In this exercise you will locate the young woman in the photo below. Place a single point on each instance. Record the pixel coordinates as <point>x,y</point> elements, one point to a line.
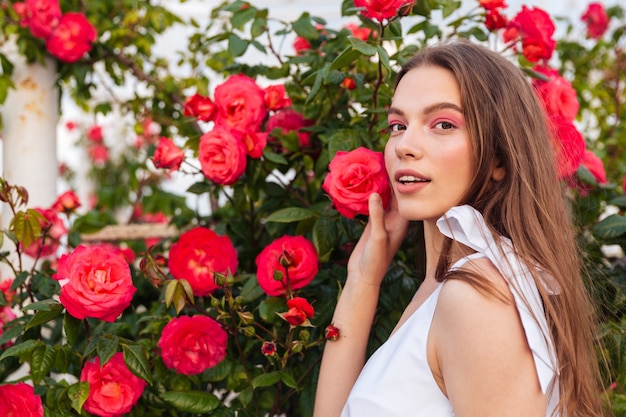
<point>501,325</point>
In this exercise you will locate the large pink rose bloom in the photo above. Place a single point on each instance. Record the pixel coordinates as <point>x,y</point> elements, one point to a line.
<point>222,156</point>
<point>99,284</point>
<point>380,9</point>
<point>557,95</point>
<point>167,155</point>
<point>596,19</point>
<point>191,345</point>
<point>19,400</point>
<point>113,388</point>
<point>288,262</point>
<point>570,145</point>
<point>41,16</point>
<point>240,104</point>
<point>72,38</point>
<point>198,255</point>
<point>353,177</point>
<point>536,28</point>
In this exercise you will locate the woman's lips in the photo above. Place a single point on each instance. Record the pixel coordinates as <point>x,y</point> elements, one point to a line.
<point>409,181</point>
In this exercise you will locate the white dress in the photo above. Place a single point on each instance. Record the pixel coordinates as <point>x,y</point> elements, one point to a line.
<point>397,381</point>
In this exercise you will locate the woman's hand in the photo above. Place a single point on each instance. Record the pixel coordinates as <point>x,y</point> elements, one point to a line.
<point>379,242</point>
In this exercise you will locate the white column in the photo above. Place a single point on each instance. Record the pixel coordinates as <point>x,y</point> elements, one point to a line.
<point>29,135</point>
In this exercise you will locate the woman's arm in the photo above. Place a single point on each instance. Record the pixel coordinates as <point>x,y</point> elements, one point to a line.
<point>480,351</point>
<point>344,358</point>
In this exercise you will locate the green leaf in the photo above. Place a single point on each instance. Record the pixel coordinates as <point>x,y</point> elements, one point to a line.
<point>44,305</point>
<point>19,280</point>
<point>78,394</point>
<point>266,380</point>
<point>136,361</point>
<point>269,307</point>
<point>609,228</point>
<point>303,27</point>
<point>43,316</point>
<point>384,57</point>
<point>291,214</point>
<point>345,58</point>
<point>242,17</point>
<point>41,361</point>
<point>106,348</point>
<point>289,380</point>
<point>21,349</point>
<point>325,236</point>
<point>72,328</point>
<point>275,158</point>
<point>197,402</point>
<point>236,45</point>
<point>619,201</point>
<point>12,333</point>
<point>362,46</point>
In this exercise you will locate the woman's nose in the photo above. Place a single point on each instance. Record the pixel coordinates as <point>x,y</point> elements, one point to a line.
<point>408,145</point>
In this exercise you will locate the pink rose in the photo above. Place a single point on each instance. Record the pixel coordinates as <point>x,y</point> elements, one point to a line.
<point>200,106</point>
<point>98,153</point>
<point>191,345</point>
<point>53,229</point>
<point>557,95</point>
<point>198,255</point>
<point>94,134</point>
<point>360,32</point>
<point>570,146</point>
<point>222,156</point>
<point>98,285</point>
<point>72,38</point>
<point>19,400</point>
<point>381,9</point>
<point>6,315</point>
<point>495,20</point>
<point>492,4</point>
<point>113,388</point>
<point>253,142</point>
<point>276,97</point>
<point>353,177</point>
<point>41,16</point>
<point>289,262</point>
<point>299,311</point>
<point>595,165</point>
<point>167,155</point>
<point>5,288</point>
<point>624,184</point>
<point>67,202</point>
<point>596,19</point>
<point>289,120</point>
<point>536,28</point>
<point>240,104</point>
<point>301,45</point>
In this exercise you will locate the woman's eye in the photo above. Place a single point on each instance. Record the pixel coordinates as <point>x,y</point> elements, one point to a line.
<point>444,125</point>
<point>396,127</point>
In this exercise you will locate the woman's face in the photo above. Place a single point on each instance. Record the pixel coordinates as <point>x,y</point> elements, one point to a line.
<point>428,155</point>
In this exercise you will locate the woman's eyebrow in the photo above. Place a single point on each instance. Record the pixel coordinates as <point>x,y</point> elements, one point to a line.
<point>432,108</point>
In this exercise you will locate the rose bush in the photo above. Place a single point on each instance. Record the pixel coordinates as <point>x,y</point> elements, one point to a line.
<point>215,297</point>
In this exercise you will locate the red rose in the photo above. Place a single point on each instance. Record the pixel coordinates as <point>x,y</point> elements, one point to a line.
<point>348,83</point>
<point>624,184</point>
<point>299,311</point>
<point>301,45</point>
<point>94,134</point>
<point>289,120</point>
<point>67,202</point>
<point>5,288</point>
<point>380,9</point>
<point>275,97</point>
<point>72,38</point>
<point>331,332</point>
<point>19,400</point>
<point>99,154</point>
<point>557,95</point>
<point>6,315</point>
<point>570,145</point>
<point>596,19</point>
<point>268,348</point>
<point>222,156</point>
<point>360,32</point>
<point>240,104</point>
<point>353,177</point>
<point>168,155</point>
<point>495,20</point>
<point>113,388</point>
<point>54,230</point>
<point>191,345</point>
<point>536,28</point>
<point>595,165</point>
<point>198,255</point>
<point>492,4</point>
<point>199,106</point>
<point>41,16</point>
<point>288,262</point>
<point>98,285</point>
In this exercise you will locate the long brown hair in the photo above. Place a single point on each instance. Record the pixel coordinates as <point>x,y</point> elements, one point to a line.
<point>508,128</point>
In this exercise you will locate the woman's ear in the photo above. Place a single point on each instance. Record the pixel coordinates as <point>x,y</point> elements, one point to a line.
<point>498,173</point>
